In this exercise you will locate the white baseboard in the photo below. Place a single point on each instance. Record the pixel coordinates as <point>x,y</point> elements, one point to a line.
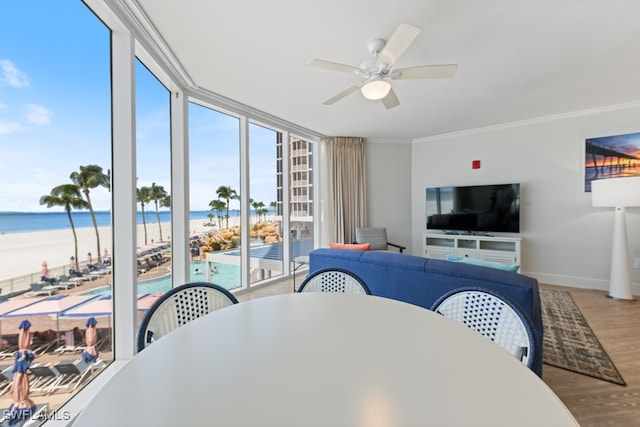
<point>576,282</point>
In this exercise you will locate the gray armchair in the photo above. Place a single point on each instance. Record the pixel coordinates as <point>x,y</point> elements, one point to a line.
<point>376,237</point>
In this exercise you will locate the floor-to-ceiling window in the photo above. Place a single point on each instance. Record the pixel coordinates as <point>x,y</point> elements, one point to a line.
<point>55,130</point>
<point>153,156</point>
<point>55,198</point>
<point>301,200</point>
<point>214,189</point>
<point>265,254</point>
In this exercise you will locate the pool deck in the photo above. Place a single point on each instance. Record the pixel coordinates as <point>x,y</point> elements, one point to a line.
<point>58,398</point>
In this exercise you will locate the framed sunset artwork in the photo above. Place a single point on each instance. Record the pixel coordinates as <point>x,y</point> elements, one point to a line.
<point>611,157</point>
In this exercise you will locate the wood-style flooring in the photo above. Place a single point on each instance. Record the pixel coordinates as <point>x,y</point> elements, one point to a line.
<point>593,402</point>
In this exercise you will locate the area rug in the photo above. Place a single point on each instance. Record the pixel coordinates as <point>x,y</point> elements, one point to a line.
<point>569,342</point>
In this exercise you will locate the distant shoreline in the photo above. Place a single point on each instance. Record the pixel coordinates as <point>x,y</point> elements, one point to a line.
<point>12,222</point>
<point>23,253</point>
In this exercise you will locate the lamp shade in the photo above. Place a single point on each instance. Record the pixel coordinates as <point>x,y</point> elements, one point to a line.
<point>376,89</point>
<point>616,192</point>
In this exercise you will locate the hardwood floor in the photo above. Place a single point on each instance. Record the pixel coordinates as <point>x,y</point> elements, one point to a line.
<point>593,402</point>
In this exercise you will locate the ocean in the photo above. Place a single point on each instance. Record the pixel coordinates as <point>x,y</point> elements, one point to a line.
<point>18,222</point>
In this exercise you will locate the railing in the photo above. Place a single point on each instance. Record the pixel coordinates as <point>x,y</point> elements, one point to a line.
<point>19,284</point>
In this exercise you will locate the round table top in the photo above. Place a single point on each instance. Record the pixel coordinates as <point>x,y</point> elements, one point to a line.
<point>320,359</point>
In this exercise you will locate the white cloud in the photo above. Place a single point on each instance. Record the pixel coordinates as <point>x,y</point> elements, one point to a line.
<point>11,75</point>
<point>38,115</point>
<point>7,128</point>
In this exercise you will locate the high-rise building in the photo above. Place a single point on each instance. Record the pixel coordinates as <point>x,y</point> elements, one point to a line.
<point>300,183</point>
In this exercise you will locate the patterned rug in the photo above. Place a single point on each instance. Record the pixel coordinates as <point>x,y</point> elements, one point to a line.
<point>569,342</point>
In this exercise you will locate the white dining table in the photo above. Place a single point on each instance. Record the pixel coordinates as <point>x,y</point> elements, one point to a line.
<point>322,359</point>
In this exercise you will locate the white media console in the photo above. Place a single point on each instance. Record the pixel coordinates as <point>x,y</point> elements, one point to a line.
<point>505,250</point>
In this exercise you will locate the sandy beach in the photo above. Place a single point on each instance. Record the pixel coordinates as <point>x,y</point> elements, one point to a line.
<point>23,253</point>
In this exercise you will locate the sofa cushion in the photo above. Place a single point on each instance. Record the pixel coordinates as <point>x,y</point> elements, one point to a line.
<point>353,246</point>
<point>483,263</point>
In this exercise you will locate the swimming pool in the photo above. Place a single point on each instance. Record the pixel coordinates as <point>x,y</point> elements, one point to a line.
<point>228,277</point>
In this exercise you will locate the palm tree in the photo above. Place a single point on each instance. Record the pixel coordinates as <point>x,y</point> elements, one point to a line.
<point>157,193</point>
<point>91,176</point>
<point>257,208</point>
<point>274,205</point>
<point>142,194</point>
<point>261,211</point>
<point>68,196</point>
<point>253,204</point>
<point>227,193</point>
<point>165,202</point>
<point>218,206</point>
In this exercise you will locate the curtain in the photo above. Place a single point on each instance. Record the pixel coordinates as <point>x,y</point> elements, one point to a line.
<point>344,204</point>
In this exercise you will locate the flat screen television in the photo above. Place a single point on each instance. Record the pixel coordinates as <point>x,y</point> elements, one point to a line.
<point>474,209</point>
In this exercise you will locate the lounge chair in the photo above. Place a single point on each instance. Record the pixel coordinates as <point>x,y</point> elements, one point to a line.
<point>9,350</point>
<point>40,289</point>
<point>42,347</point>
<point>104,339</point>
<point>74,372</point>
<point>6,375</point>
<point>88,275</point>
<point>69,345</point>
<point>45,379</point>
<point>65,283</point>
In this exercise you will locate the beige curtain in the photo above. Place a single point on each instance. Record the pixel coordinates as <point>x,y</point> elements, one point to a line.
<point>344,206</point>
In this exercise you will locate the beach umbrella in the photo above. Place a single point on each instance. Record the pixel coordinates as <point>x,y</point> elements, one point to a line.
<point>22,407</point>
<point>9,306</point>
<point>90,354</point>
<point>99,307</point>
<point>105,257</point>
<point>51,306</point>
<point>146,301</point>
<point>103,306</point>
<point>72,265</point>
<point>44,271</point>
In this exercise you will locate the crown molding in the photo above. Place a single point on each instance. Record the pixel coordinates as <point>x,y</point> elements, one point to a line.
<point>145,33</point>
<point>543,119</point>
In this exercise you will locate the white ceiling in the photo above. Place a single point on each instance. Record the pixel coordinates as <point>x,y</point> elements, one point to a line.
<point>517,59</point>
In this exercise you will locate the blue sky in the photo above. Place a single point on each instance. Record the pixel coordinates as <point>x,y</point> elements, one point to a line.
<point>55,114</point>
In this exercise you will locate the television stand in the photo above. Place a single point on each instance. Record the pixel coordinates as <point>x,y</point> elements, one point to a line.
<point>505,250</point>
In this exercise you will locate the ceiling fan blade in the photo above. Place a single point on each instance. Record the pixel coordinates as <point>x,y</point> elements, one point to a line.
<point>391,100</point>
<point>334,66</point>
<point>399,41</point>
<point>425,72</point>
<point>342,94</point>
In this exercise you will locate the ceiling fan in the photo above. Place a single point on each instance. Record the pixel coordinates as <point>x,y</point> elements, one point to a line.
<point>378,72</point>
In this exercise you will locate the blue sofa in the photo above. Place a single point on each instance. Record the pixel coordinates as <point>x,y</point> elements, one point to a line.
<point>421,281</point>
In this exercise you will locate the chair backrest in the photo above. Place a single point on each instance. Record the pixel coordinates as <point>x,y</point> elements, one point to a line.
<point>334,280</point>
<point>179,306</point>
<point>377,237</point>
<point>493,315</point>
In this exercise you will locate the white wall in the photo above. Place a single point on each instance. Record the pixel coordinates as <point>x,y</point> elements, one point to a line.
<point>389,188</point>
<point>565,240</point>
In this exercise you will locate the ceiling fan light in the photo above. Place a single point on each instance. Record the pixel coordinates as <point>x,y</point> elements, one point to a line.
<point>376,89</point>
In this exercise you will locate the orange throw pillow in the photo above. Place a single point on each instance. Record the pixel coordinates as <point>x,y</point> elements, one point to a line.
<point>356,246</point>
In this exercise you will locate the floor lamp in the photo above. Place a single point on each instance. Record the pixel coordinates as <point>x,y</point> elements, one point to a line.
<point>618,193</point>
